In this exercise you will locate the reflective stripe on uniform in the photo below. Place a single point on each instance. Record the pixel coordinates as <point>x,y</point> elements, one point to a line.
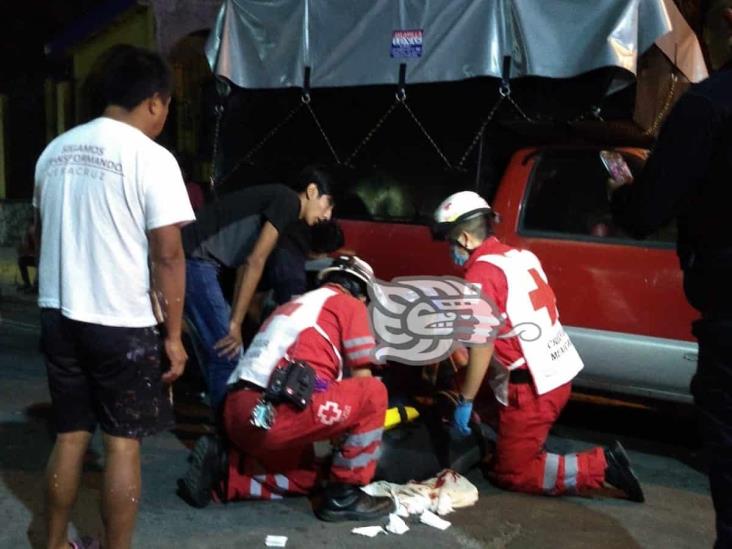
<point>361,460</point>
<point>282,482</point>
<point>255,488</point>
<point>260,483</point>
<point>356,341</point>
<point>364,439</point>
<point>517,363</point>
<point>359,354</point>
<point>551,469</point>
<point>570,472</point>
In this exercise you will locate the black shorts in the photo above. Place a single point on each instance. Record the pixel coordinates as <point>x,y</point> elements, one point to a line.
<point>105,375</point>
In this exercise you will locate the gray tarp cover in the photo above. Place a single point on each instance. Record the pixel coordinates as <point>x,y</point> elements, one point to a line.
<point>268,43</point>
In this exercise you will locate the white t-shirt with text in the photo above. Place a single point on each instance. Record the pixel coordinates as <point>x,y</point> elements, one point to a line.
<point>99,188</point>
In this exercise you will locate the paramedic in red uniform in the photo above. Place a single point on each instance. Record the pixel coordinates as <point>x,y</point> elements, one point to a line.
<point>328,329</point>
<point>530,376</point>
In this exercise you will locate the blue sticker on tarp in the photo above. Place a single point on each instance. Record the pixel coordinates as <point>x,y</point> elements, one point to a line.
<point>406,43</point>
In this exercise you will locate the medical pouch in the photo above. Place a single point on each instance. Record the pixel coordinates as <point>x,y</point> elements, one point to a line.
<point>292,383</point>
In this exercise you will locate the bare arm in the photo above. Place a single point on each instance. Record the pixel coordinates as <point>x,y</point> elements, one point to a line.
<point>362,372</point>
<point>478,362</point>
<point>168,274</point>
<point>247,279</point>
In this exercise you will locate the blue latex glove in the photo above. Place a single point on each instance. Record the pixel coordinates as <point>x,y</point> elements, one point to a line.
<point>461,418</point>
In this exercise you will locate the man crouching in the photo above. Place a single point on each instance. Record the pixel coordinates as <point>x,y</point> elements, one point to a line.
<point>287,392</point>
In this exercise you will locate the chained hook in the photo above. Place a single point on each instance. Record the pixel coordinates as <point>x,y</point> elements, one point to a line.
<point>505,88</point>
<point>401,93</point>
<point>305,97</point>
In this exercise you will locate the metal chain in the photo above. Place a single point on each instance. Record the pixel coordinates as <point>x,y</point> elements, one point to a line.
<point>425,132</point>
<point>480,131</point>
<point>306,102</point>
<point>504,92</point>
<point>247,157</point>
<point>597,113</point>
<point>219,113</point>
<point>371,133</point>
<point>518,108</point>
<point>666,106</point>
<point>271,133</point>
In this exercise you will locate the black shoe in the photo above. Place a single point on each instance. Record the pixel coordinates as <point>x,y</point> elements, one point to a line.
<point>208,468</point>
<point>619,473</point>
<point>343,502</point>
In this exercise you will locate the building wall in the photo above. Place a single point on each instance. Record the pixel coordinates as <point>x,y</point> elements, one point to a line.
<point>61,103</point>
<point>64,104</point>
<point>3,169</point>
<point>15,215</point>
<point>135,27</point>
<point>192,110</point>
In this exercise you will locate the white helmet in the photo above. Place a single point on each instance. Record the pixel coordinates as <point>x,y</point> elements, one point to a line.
<point>457,208</point>
<point>353,266</point>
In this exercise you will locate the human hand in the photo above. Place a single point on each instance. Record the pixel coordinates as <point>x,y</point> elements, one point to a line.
<point>177,356</point>
<point>229,346</point>
<point>460,356</point>
<point>461,418</point>
<point>614,184</point>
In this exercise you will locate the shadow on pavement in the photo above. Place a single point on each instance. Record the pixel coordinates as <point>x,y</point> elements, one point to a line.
<point>26,446</point>
<point>654,427</point>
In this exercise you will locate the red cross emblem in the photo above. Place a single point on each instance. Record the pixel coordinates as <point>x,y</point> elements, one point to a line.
<point>329,413</point>
<point>543,296</point>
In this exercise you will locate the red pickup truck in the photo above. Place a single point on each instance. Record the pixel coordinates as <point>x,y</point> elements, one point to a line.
<point>620,299</point>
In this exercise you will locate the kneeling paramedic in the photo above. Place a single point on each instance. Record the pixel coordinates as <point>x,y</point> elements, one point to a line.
<point>530,379</point>
<point>287,393</point>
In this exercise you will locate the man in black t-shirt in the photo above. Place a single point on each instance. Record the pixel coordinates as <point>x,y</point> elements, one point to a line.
<point>239,231</point>
<point>285,273</point>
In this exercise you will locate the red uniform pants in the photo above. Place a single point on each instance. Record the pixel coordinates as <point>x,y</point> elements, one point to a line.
<point>269,464</point>
<point>521,462</point>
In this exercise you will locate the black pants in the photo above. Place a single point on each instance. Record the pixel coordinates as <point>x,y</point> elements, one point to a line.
<point>106,375</point>
<point>712,390</point>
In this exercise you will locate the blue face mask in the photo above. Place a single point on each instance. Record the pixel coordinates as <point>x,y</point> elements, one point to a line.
<point>459,255</point>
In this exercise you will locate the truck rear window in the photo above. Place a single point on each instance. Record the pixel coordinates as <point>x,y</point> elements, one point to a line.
<point>567,198</point>
<point>395,198</point>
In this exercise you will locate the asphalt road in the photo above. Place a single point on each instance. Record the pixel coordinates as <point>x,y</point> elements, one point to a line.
<point>660,440</point>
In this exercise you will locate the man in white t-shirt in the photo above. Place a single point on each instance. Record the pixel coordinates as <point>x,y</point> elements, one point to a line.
<point>110,202</point>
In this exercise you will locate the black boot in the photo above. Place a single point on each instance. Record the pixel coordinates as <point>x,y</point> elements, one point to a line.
<point>343,502</point>
<point>209,467</point>
<point>619,473</point>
